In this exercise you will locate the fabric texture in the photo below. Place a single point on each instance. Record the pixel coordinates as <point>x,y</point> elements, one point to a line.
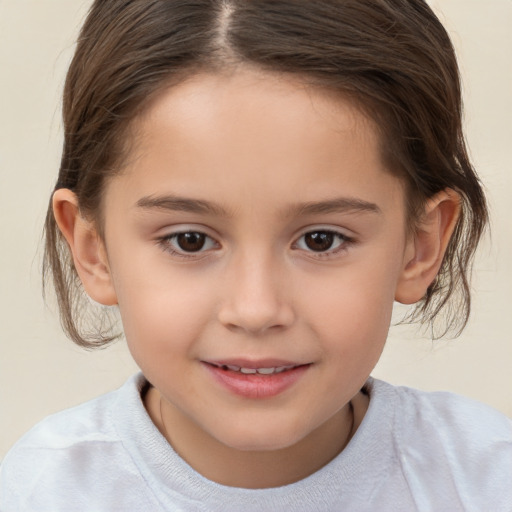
<point>413,451</point>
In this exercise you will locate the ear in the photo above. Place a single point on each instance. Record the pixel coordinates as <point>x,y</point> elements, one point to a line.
<point>427,245</point>
<point>87,248</point>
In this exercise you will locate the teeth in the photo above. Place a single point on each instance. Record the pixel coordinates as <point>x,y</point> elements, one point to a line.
<point>260,371</point>
<point>266,371</point>
<point>248,370</point>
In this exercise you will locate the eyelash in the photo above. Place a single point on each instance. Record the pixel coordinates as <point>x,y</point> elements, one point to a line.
<point>166,243</point>
<point>344,242</point>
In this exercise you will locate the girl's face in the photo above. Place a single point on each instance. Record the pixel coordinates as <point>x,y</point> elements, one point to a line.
<point>255,228</point>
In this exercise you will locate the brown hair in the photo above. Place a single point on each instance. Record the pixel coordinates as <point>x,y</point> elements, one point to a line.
<point>394,56</point>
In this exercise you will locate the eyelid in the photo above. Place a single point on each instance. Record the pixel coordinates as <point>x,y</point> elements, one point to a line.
<point>178,229</point>
<point>328,228</point>
<point>347,241</point>
<point>165,241</point>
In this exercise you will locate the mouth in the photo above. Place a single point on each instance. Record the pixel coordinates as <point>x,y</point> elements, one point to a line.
<point>256,380</point>
<point>251,370</point>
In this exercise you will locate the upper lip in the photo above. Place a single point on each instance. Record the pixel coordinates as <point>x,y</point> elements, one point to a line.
<point>255,364</point>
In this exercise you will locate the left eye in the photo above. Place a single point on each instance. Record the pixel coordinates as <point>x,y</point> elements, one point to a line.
<point>189,242</point>
<point>321,241</point>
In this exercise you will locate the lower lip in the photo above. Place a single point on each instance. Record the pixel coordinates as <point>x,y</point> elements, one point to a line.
<point>255,385</point>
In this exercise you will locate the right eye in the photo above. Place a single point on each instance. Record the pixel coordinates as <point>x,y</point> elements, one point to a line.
<point>187,242</point>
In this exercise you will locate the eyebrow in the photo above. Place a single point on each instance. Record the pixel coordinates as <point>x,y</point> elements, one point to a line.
<point>199,206</point>
<point>181,204</point>
<point>336,205</point>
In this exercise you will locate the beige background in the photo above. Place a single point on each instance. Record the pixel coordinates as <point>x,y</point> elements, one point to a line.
<point>41,372</point>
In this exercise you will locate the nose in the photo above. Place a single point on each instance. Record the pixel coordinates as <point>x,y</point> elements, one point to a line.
<point>255,297</point>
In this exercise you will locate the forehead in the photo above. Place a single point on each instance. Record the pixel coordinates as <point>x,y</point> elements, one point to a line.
<point>253,99</point>
<point>253,133</point>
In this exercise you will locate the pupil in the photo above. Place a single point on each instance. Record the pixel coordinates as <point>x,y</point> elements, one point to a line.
<point>191,242</point>
<point>319,241</point>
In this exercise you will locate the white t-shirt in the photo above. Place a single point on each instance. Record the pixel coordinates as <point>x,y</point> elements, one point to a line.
<point>413,451</point>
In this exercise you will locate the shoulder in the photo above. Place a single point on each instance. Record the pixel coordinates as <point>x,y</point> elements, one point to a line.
<point>74,450</point>
<point>84,423</point>
<point>450,418</point>
<point>446,441</point>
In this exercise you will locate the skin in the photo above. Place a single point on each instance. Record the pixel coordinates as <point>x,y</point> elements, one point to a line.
<point>262,149</point>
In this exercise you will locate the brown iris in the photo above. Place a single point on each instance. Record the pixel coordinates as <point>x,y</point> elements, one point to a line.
<point>319,241</point>
<point>191,241</point>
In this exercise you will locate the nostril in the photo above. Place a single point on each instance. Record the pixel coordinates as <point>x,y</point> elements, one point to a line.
<point>253,298</point>
<point>255,322</point>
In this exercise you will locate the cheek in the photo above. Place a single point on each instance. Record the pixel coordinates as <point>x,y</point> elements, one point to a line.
<point>352,309</point>
<point>163,312</point>
<point>357,318</point>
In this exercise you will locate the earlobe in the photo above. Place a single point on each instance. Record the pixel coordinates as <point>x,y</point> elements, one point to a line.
<point>87,248</point>
<point>426,248</point>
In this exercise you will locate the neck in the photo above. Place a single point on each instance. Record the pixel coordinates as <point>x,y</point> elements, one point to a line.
<point>255,469</point>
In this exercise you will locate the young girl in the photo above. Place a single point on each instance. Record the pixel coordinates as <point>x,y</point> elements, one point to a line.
<point>252,185</point>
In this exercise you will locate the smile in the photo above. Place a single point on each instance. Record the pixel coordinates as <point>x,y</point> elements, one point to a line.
<point>252,371</point>
<point>256,381</point>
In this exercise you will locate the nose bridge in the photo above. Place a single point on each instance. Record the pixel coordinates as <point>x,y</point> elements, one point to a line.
<point>255,294</point>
